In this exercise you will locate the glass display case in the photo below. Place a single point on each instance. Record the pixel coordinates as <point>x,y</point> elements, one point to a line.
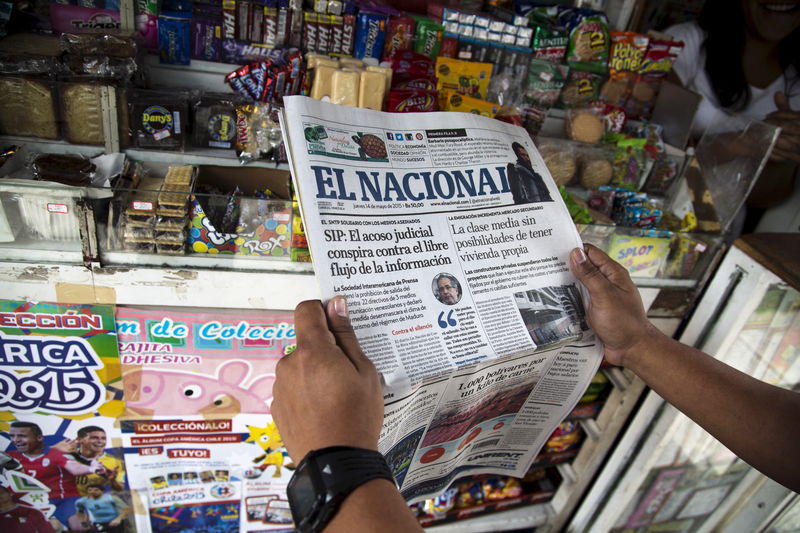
<point>668,474</point>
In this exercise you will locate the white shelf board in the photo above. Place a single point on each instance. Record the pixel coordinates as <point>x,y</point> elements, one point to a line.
<point>203,261</point>
<point>196,156</point>
<point>38,251</point>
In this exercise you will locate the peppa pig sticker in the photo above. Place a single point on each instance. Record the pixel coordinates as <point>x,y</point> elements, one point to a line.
<point>178,363</point>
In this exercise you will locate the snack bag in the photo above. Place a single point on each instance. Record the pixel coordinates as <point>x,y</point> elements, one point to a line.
<point>629,164</point>
<point>581,88</point>
<point>627,53</point>
<point>549,40</point>
<point>454,101</point>
<point>588,38</point>
<point>545,81</point>
<point>428,37</point>
<point>655,66</point>
<point>399,33</point>
<point>412,100</point>
<point>464,77</point>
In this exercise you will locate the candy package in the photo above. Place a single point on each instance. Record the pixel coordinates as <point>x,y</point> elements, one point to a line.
<point>428,37</point>
<point>258,134</point>
<point>174,37</point>
<point>464,77</point>
<point>399,35</point>
<point>215,120</point>
<point>655,66</point>
<point>158,119</point>
<point>453,101</point>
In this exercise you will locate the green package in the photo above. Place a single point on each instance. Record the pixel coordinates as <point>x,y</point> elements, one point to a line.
<point>427,37</point>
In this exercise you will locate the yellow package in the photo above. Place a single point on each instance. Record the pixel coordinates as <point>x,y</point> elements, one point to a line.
<point>465,77</point>
<point>642,256</point>
<point>454,101</point>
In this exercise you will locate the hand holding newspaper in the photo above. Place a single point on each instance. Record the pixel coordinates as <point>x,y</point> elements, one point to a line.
<point>450,241</point>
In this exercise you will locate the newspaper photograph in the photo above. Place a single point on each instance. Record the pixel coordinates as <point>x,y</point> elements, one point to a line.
<point>450,241</point>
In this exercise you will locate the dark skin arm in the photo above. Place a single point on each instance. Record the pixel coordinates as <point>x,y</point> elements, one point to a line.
<point>755,420</point>
<point>327,393</point>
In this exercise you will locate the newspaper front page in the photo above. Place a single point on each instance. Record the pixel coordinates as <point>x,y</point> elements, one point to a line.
<point>450,241</point>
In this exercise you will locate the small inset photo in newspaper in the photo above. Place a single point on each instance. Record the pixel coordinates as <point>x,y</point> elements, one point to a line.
<point>553,316</point>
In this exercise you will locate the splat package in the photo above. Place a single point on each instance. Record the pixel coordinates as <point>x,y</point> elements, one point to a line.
<point>242,211</point>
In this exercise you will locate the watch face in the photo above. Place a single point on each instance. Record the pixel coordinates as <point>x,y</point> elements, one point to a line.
<point>302,495</point>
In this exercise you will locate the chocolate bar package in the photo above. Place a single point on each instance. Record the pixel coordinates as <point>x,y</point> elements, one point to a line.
<point>174,37</point>
<point>206,33</point>
<point>215,121</point>
<point>158,119</point>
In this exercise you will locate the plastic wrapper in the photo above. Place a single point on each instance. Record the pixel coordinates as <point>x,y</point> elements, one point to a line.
<point>567,436</point>
<point>67,169</point>
<point>215,121</point>
<point>27,64</point>
<point>28,108</point>
<point>399,35</point>
<point>174,37</point>
<point>412,101</point>
<point>370,35</point>
<point>545,82</point>
<point>258,133</point>
<point>118,68</point>
<point>146,13</point>
<point>629,163</point>
<point>549,41</point>
<point>584,125</point>
<point>501,488</point>
<point>158,119</point>
<point>428,37</point>
<point>98,44</point>
<point>655,66</point>
<point>464,77</point>
<point>206,32</point>
<point>588,38</point>
<point>453,101</point>
<point>625,59</point>
<point>592,164</point>
<point>582,87</point>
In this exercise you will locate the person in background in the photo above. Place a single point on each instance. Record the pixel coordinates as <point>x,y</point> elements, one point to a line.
<point>101,511</point>
<point>743,57</point>
<point>51,467</point>
<point>16,518</point>
<point>91,446</point>
<point>737,409</point>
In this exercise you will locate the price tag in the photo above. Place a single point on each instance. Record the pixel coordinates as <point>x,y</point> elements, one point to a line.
<point>57,208</point>
<point>142,206</point>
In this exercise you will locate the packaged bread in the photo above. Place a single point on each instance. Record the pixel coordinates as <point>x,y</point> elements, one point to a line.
<point>27,108</point>
<point>372,90</point>
<point>82,113</point>
<point>584,126</point>
<point>561,163</point>
<point>595,171</point>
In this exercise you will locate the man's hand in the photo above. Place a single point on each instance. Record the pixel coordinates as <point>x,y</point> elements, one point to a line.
<point>66,446</point>
<point>326,393</point>
<point>615,309</point>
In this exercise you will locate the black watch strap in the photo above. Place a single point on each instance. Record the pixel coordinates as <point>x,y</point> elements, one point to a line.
<point>346,468</point>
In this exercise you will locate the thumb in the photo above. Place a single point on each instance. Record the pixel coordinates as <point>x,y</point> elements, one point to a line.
<point>781,102</point>
<point>339,323</point>
<point>588,273</point>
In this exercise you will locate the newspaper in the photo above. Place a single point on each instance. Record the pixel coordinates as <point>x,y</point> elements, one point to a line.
<point>450,241</point>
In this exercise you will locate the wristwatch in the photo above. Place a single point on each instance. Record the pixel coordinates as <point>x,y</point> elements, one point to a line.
<point>325,477</point>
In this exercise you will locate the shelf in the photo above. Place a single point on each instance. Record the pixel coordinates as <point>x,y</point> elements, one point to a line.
<point>204,261</point>
<point>524,517</point>
<point>39,251</point>
<point>197,156</point>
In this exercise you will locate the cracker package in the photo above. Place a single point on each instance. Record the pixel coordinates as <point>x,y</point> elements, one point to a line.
<point>158,119</point>
<point>588,38</point>
<point>464,77</point>
<point>656,64</point>
<point>625,60</point>
<point>581,88</point>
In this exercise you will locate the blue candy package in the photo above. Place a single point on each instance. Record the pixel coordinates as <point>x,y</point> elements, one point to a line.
<point>370,34</point>
<point>174,37</point>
